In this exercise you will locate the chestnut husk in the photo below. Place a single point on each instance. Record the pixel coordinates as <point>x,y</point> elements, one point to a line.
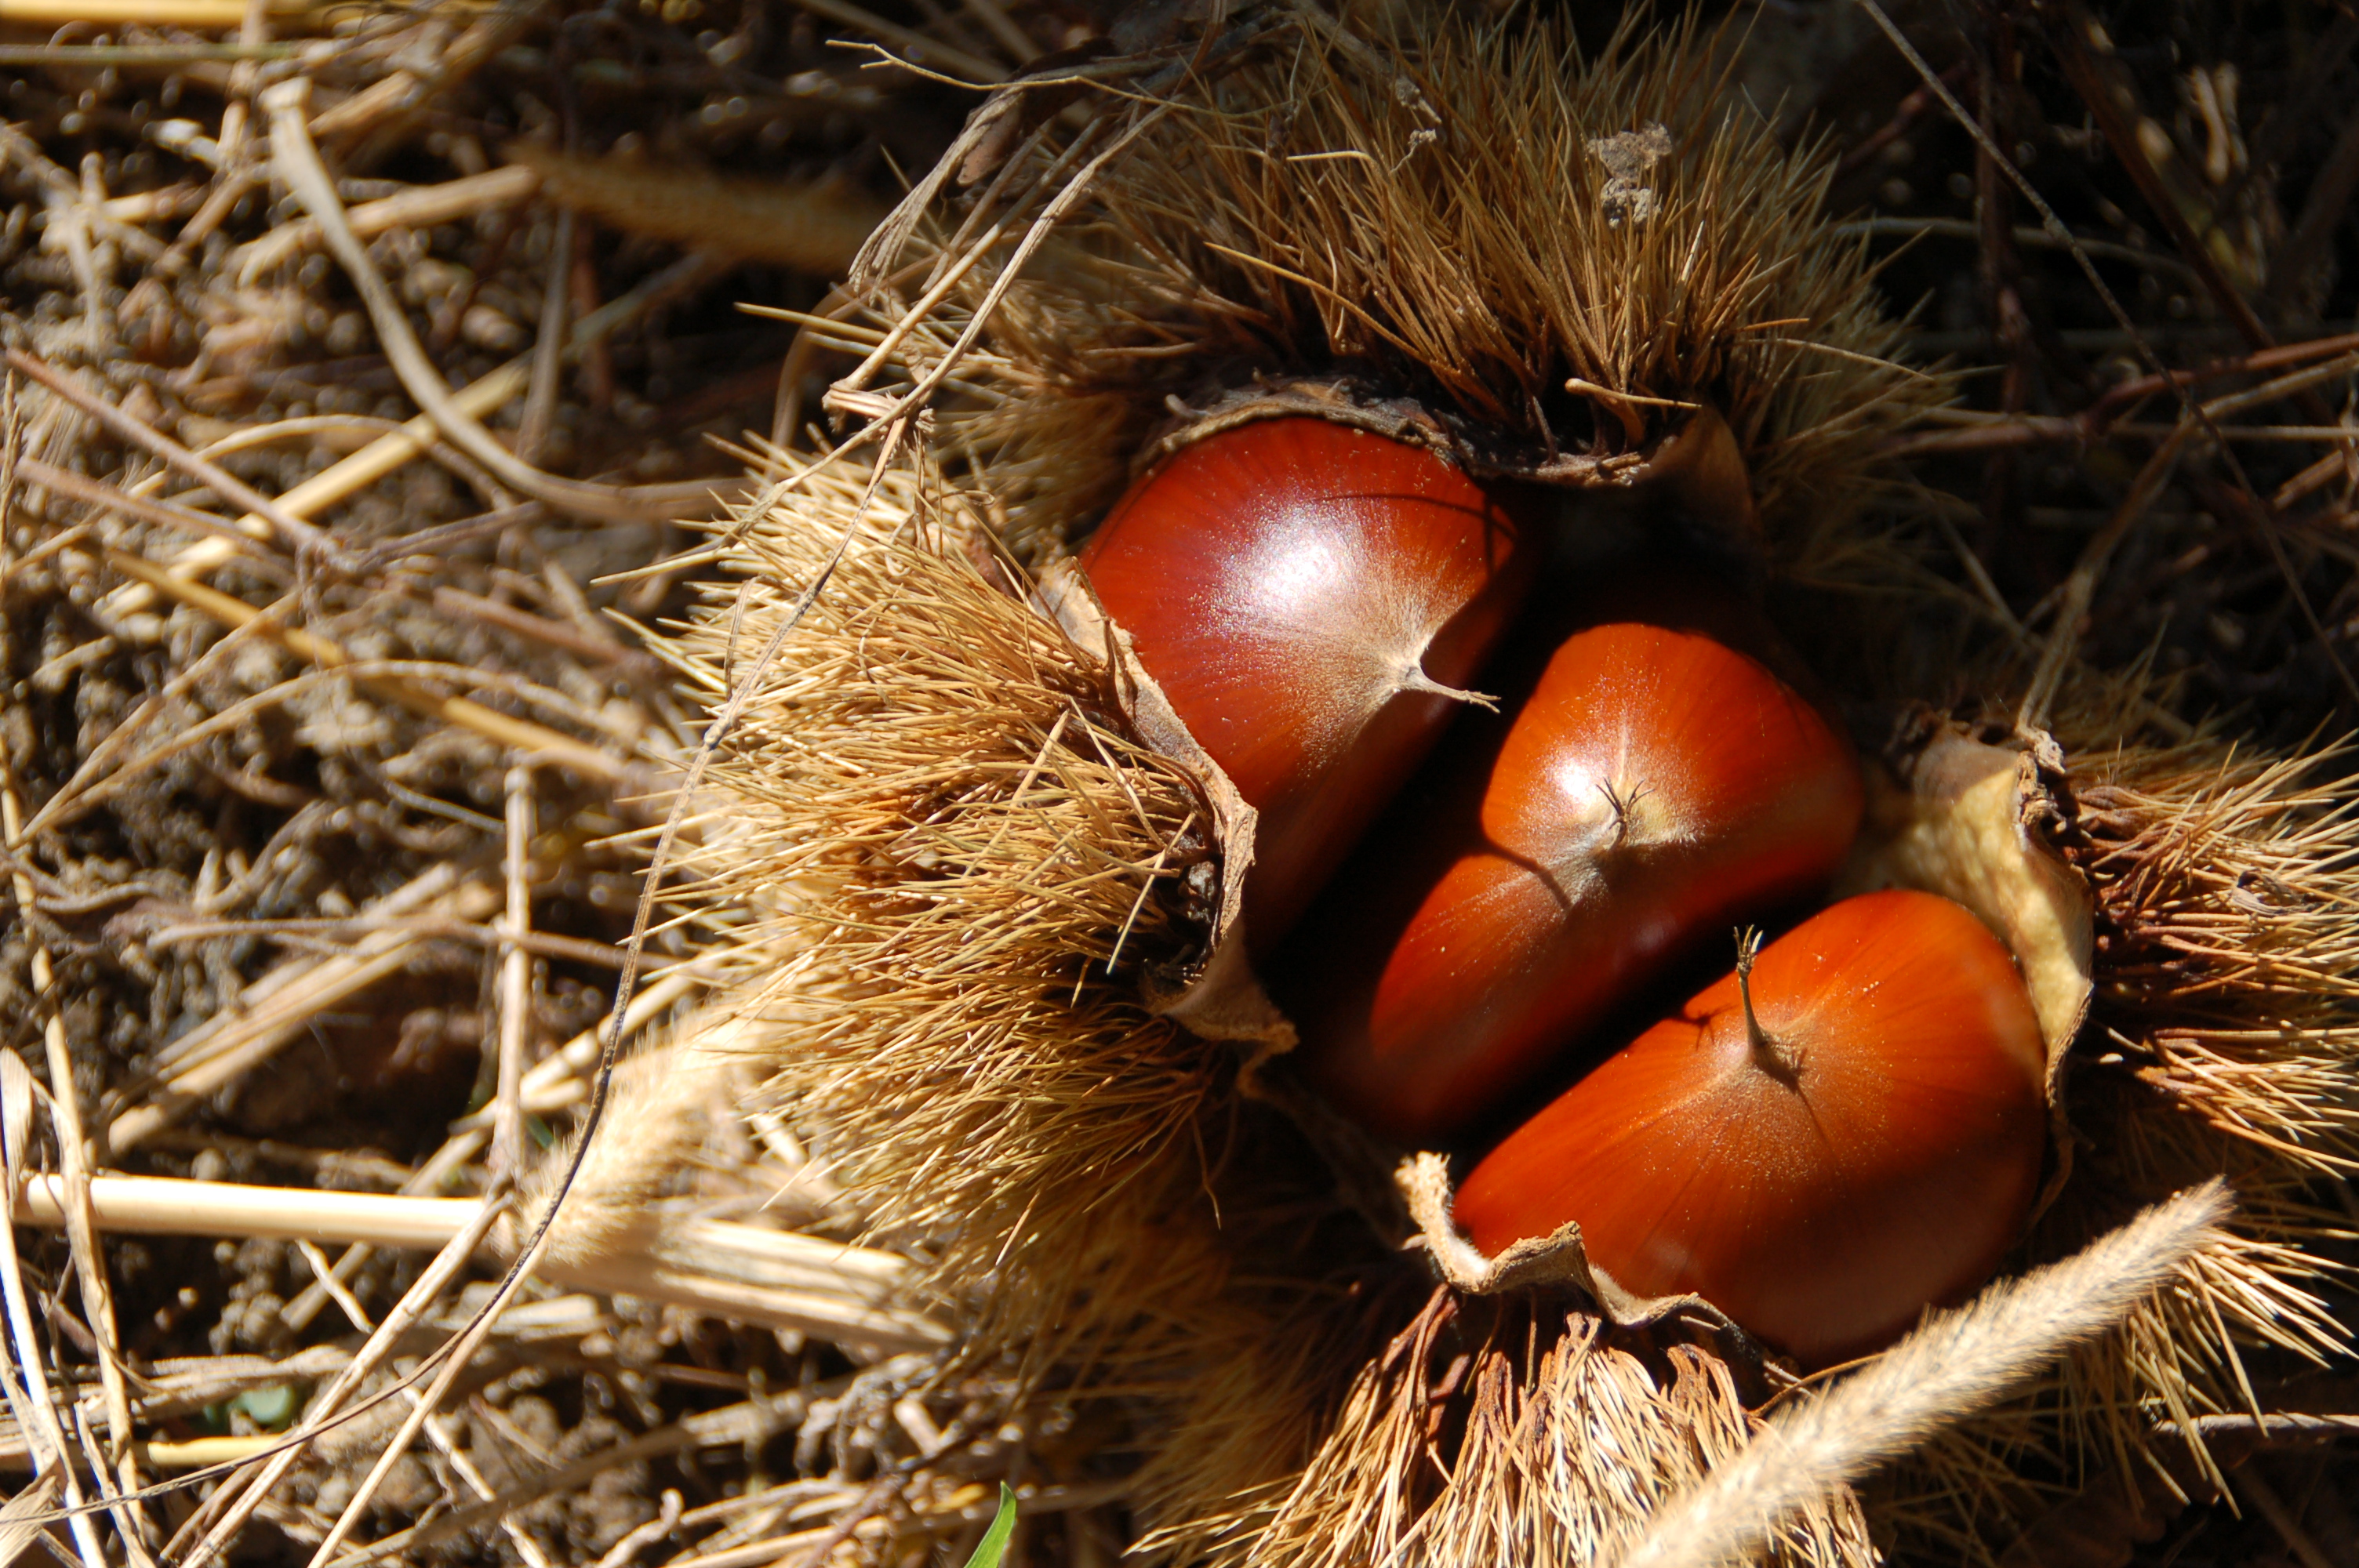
<point>1136,1215</point>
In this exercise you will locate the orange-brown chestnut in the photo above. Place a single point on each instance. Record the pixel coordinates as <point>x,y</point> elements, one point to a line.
<point>1309,596</point>
<point>1654,786</point>
<point>1820,1149</point>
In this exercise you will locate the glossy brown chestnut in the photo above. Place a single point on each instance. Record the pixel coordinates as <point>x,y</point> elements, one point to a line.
<point>1864,1142</point>
<point>1309,598</point>
<point>1656,786</point>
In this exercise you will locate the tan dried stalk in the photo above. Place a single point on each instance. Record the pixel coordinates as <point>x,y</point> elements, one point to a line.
<point>727,1270</point>
<point>1953,1365</point>
<point>813,227</point>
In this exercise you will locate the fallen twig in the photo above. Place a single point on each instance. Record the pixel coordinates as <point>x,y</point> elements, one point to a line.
<point>422,207</point>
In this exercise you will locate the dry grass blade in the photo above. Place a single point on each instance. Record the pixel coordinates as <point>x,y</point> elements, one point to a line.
<point>455,1356</point>
<point>736,1425</point>
<point>22,1522</point>
<point>923,50</point>
<point>515,978</point>
<point>24,1376</point>
<point>75,1152</point>
<point>429,1177</point>
<point>723,1269</point>
<point>815,228</point>
<point>1954,1365</point>
<point>555,1081</point>
<point>25,1367</point>
<point>153,13</point>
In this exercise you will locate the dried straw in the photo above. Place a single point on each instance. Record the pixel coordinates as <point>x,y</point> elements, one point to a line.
<point>1953,1365</point>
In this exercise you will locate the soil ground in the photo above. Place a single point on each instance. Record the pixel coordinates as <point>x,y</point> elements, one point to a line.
<point>219,814</point>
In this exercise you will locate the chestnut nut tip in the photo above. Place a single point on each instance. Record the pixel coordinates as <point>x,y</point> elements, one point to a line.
<point>1780,1061</point>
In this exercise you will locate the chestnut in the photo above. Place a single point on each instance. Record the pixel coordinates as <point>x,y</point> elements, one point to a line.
<point>1823,1143</point>
<point>1310,598</point>
<point>1656,785</point>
